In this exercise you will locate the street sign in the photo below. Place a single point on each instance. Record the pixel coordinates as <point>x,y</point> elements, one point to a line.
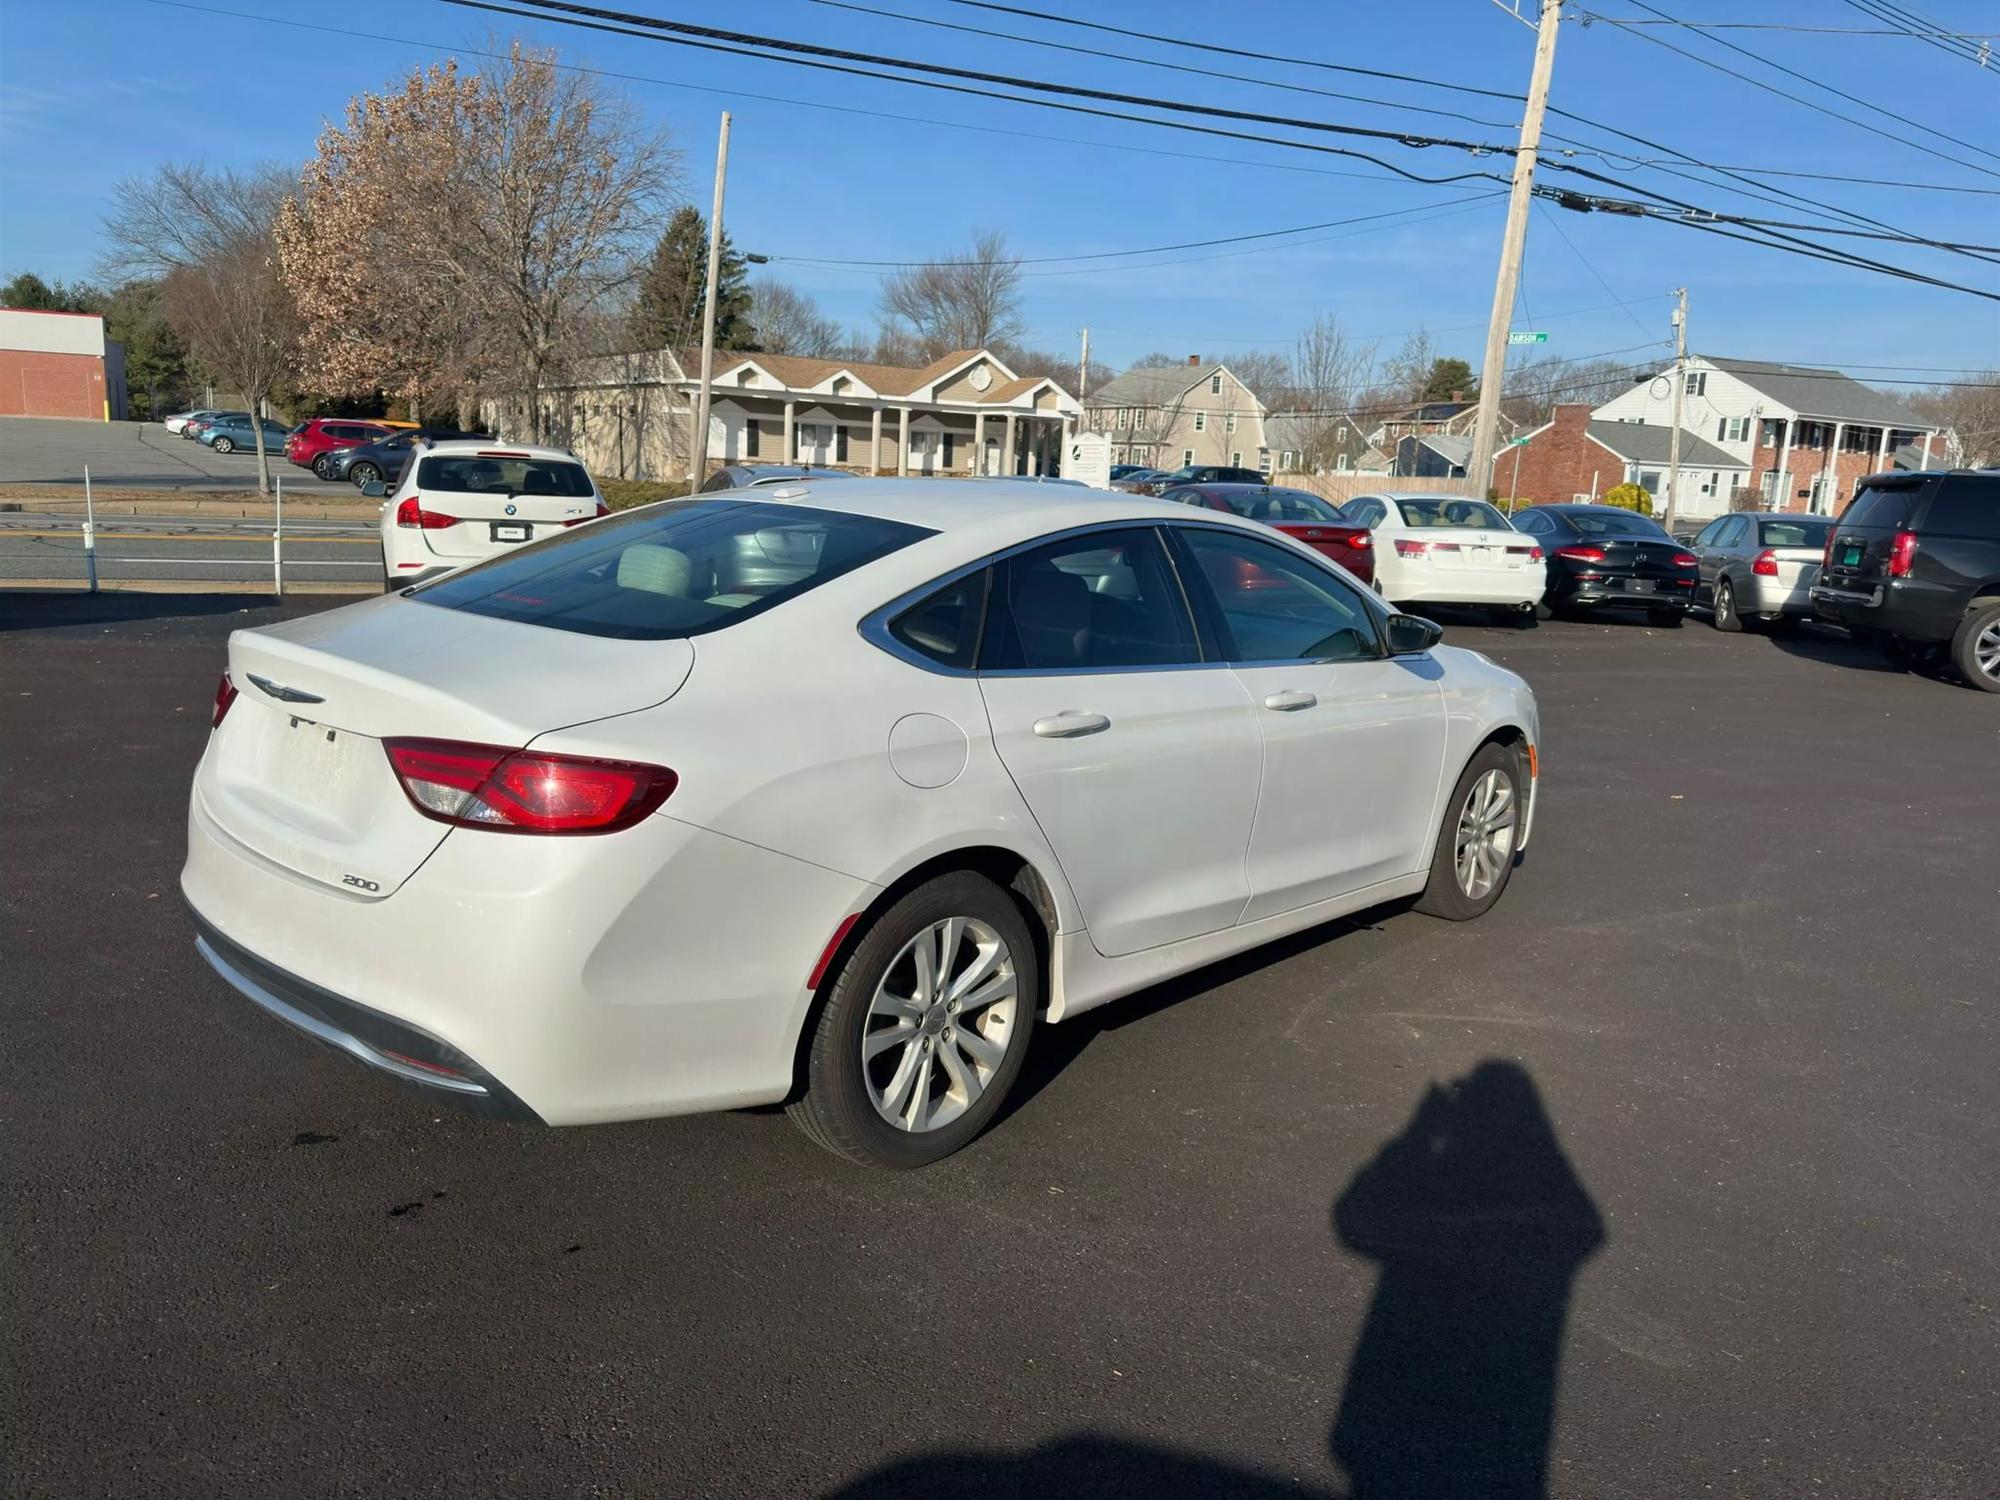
<point>1527,338</point>
<point>1516,442</point>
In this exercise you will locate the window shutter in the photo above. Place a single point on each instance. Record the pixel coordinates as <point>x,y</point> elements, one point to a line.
<point>840,445</point>
<point>1721,428</point>
<point>750,439</point>
<point>947,450</point>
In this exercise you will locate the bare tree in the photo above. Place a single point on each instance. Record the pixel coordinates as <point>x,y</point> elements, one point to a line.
<point>1329,373</point>
<point>1267,374</point>
<point>1969,411</point>
<point>970,301</point>
<point>790,322</point>
<point>207,234</point>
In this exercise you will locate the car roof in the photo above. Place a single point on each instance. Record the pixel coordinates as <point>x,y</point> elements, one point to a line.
<point>494,448</point>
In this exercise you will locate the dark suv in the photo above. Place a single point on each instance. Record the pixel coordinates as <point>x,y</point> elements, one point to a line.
<point>1914,564</point>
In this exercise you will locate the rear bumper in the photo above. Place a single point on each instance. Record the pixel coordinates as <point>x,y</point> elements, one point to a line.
<point>1910,608</point>
<point>381,1042</point>
<point>1408,586</point>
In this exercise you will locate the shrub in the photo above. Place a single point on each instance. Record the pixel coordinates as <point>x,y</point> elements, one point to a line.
<point>1630,497</point>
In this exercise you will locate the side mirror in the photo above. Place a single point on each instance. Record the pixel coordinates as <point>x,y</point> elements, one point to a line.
<point>1412,635</point>
<point>375,489</point>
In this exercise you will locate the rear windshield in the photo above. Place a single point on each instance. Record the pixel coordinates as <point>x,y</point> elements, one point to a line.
<point>1886,505</point>
<point>483,474</point>
<point>679,569</point>
<point>1793,533</point>
<point>1612,523</point>
<point>1443,512</point>
<point>1281,507</point>
<point>1965,505</point>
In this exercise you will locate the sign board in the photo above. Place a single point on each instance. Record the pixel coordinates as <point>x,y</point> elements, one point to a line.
<point>1518,442</point>
<point>1088,458</point>
<point>1527,338</point>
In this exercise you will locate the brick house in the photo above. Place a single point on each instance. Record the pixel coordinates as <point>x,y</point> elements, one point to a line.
<point>1578,455</point>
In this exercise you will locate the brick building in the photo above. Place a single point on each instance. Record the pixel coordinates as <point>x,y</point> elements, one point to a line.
<point>1578,456</point>
<point>57,364</point>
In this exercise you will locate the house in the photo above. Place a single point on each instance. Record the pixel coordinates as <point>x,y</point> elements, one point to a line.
<point>1456,417</point>
<point>1169,416</point>
<point>631,415</point>
<point>59,364</point>
<point>1578,455</point>
<point>1803,436</point>
<point>1320,445</point>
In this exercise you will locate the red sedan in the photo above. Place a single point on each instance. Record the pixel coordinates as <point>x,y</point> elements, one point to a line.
<point>1300,514</point>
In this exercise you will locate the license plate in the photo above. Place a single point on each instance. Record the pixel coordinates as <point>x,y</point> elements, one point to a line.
<point>510,531</point>
<point>1639,586</point>
<point>1850,557</point>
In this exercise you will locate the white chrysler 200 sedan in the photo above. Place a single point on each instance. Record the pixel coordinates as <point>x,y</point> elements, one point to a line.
<point>827,796</point>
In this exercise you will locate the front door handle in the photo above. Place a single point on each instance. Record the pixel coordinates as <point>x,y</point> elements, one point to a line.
<point>1290,702</point>
<point>1070,723</point>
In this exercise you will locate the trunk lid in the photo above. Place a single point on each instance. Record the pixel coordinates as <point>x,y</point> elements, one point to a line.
<point>1866,532</point>
<point>1462,549</point>
<point>297,773</point>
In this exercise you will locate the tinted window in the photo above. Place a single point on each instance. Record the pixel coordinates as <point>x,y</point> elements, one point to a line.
<point>945,627</point>
<point>1793,533</point>
<point>1965,507</point>
<point>1613,523</point>
<point>481,474</point>
<point>1436,512</point>
<point>1281,507</point>
<point>1367,512</point>
<point>1276,605</point>
<point>1107,600</point>
<point>671,570</point>
<point>1531,521</point>
<point>1886,505</point>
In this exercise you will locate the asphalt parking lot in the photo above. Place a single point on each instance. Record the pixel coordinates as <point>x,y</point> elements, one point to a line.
<point>1684,1155</point>
<point>136,455</point>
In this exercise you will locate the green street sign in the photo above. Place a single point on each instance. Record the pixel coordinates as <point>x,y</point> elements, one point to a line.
<point>1516,442</point>
<point>1527,338</point>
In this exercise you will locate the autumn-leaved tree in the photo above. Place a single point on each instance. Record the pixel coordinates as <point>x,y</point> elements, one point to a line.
<point>467,232</point>
<point>207,235</point>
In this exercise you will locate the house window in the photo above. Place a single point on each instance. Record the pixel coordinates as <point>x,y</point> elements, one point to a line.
<point>1649,481</point>
<point>1236,459</point>
<point>1341,463</point>
<point>1229,422</point>
<point>1124,419</point>
<point>1187,457</point>
<point>1138,418</point>
<point>1696,383</point>
<point>809,438</point>
<point>1215,385</point>
<point>1731,429</point>
<point>750,438</point>
<point>1201,421</point>
<point>1771,432</point>
<point>1264,460</point>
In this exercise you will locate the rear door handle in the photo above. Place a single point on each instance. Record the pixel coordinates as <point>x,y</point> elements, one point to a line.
<point>1070,723</point>
<point>1290,702</point>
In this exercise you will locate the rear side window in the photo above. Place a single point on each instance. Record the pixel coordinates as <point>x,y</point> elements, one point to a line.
<point>1965,507</point>
<point>669,571</point>
<point>945,627</point>
<point>1885,505</point>
<point>1283,507</point>
<point>1793,533</point>
<point>499,474</point>
<point>1104,601</point>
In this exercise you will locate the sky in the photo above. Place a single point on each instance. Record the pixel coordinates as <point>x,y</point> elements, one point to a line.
<point>828,168</point>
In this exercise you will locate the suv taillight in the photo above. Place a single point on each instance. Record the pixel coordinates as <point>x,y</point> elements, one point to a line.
<point>1902,554</point>
<point>1766,564</point>
<point>225,694</point>
<point>411,512</point>
<point>1826,554</point>
<point>525,791</point>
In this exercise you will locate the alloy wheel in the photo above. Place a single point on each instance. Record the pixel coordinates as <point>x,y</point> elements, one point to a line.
<point>1485,838</point>
<point>939,1024</point>
<point>1986,651</point>
<point>1725,603</point>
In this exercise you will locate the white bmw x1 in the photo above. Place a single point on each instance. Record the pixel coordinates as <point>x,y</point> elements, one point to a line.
<point>829,796</point>
<point>457,502</point>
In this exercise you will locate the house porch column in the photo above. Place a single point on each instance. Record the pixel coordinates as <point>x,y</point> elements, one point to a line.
<point>902,441</point>
<point>875,442</point>
<point>977,465</point>
<point>1010,466</point>
<point>1882,455</point>
<point>1829,473</point>
<point>1781,487</point>
<point>791,452</point>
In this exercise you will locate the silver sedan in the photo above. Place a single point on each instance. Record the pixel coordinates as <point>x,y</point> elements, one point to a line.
<point>1760,565</point>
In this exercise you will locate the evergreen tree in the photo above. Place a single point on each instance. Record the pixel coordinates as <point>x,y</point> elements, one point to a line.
<point>669,310</point>
<point>1449,376</point>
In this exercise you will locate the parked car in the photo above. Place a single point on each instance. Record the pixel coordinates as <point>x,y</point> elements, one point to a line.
<point>1602,557</point>
<point>382,460</point>
<point>1131,471</point>
<point>179,420</point>
<point>1132,482</point>
<point>1447,549</point>
<point>1300,514</point>
<point>752,476</point>
<point>1760,565</point>
<point>1914,564</point>
<point>194,427</point>
<point>227,434</point>
<point>320,435</point>
<point>932,767</point>
<point>1195,474</point>
<point>463,501</point>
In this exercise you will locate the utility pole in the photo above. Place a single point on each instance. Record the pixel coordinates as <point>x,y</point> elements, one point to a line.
<point>1493,372</point>
<point>1680,390</point>
<point>1083,369</point>
<point>698,465</point>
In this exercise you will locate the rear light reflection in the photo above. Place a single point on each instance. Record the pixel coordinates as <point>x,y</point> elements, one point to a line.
<point>1902,554</point>
<point>526,791</point>
<point>1766,564</point>
<point>225,694</point>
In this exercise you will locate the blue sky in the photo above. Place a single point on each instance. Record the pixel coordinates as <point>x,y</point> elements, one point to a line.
<point>94,90</point>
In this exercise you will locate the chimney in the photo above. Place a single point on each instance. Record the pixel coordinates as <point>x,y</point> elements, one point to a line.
<point>1457,397</point>
<point>1194,359</point>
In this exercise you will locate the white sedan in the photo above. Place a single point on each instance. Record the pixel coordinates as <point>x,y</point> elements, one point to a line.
<point>1447,549</point>
<point>829,796</point>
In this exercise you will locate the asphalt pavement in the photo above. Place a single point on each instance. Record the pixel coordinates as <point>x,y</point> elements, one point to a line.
<point>1673,1176</point>
<point>49,547</point>
<point>135,455</point>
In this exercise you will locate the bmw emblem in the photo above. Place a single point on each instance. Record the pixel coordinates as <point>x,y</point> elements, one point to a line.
<point>510,510</point>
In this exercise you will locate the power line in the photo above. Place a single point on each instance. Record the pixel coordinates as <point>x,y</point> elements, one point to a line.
<point>1929,32</point>
<point>1239,339</point>
<point>1785,26</point>
<point>1556,224</point>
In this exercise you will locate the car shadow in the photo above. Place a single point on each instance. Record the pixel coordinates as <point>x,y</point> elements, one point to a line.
<point>43,609</point>
<point>1479,1225</point>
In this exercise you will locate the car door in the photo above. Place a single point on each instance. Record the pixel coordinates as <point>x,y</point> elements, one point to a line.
<point>1354,739</point>
<point>1138,758</point>
<point>1715,547</point>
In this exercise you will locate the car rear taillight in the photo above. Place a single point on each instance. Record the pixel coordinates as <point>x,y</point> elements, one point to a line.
<point>411,512</point>
<point>1686,560</point>
<point>1902,554</point>
<point>225,694</point>
<point>1408,548</point>
<point>602,511</point>
<point>526,791</point>
<point>1826,556</point>
<point>1361,541</point>
<point>1581,554</point>
<point>1534,554</point>
<point>1766,564</point>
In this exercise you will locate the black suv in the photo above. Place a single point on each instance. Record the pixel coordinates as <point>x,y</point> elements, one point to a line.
<point>1914,564</point>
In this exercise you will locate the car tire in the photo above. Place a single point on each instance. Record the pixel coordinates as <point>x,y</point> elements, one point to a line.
<point>1665,619</point>
<point>224,445</point>
<point>1527,619</point>
<point>1726,618</point>
<point>839,1107</point>
<point>322,467</point>
<point>362,474</point>
<point>1975,648</point>
<point>1450,894</point>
